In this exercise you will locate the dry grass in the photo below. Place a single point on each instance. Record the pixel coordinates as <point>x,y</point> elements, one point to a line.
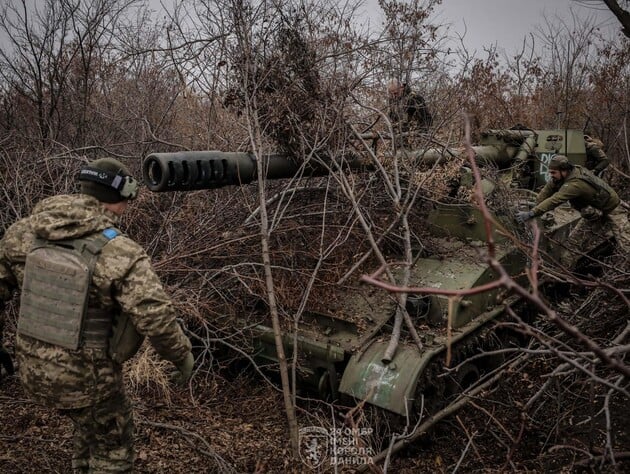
<point>148,374</point>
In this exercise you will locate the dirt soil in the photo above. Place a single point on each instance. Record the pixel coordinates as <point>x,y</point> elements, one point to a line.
<point>238,425</point>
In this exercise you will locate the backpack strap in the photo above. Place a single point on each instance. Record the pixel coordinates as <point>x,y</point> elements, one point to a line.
<point>95,242</point>
<point>97,326</point>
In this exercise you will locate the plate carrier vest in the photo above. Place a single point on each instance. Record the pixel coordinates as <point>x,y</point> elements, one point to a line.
<point>54,302</point>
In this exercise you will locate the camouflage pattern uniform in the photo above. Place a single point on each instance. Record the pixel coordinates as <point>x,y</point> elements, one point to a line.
<point>596,159</point>
<point>599,218</point>
<point>86,384</point>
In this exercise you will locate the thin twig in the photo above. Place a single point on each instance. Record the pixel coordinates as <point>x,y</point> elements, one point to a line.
<point>221,464</point>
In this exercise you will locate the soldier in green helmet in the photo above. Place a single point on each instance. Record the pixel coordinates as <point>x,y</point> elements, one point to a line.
<point>597,202</point>
<point>88,297</point>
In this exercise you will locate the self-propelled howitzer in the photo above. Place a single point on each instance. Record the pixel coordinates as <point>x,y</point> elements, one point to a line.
<point>340,356</point>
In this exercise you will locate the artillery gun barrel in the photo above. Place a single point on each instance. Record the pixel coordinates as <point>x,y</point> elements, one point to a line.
<point>517,135</point>
<point>512,136</point>
<point>501,156</point>
<point>192,170</point>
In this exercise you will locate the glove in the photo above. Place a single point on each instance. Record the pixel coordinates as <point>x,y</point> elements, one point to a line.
<point>590,213</point>
<point>185,369</point>
<point>5,361</point>
<point>522,216</point>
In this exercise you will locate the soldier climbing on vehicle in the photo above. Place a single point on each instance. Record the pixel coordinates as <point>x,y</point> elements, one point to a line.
<point>597,202</point>
<point>596,159</point>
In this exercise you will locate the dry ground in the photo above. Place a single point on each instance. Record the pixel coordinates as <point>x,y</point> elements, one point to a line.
<point>238,425</point>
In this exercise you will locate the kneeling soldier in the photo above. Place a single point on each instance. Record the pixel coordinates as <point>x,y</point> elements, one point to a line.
<point>598,203</point>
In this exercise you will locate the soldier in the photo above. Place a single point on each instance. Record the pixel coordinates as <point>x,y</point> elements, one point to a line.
<point>596,159</point>
<point>89,295</point>
<point>407,109</point>
<point>597,202</point>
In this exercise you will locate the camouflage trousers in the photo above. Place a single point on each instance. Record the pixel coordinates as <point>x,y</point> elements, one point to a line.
<point>103,436</point>
<point>588,233</point>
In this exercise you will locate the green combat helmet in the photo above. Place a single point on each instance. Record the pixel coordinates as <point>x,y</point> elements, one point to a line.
<point>108,180</point>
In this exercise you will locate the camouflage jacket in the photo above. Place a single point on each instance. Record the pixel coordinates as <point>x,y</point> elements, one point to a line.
<point>123,282</point>
<point>596,159</point>
<point>580,188</point>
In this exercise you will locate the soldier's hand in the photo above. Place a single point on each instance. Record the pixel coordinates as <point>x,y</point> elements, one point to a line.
<point>185,369</point>
<point>6,362</point>
<point>590,213</point>
<point>523,216</point>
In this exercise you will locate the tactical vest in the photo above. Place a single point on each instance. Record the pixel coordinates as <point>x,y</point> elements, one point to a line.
<point>54,298</point>
<point>606,198</point>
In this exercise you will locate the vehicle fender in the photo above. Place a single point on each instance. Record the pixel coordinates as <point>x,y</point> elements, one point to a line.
<point>390,386</point>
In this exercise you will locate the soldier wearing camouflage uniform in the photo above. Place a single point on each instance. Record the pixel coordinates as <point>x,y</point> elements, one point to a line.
<point>86,383</point>
<point>597,202</point>
<point>596,159</point>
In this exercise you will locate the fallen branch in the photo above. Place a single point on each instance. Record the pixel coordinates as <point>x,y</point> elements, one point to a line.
<point>221,464</point>
<point>461,401</point>
<point>591,460</point>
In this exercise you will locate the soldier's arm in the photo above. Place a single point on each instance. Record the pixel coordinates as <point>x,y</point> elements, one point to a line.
<point>566,192</point>
<point>7,284</point>
<point>394,110</point>
<point>601,160</point>
<point>545,192</point>
<point>423,110</point>
<point>14,246</point>
<point>141,296</point>
<point>7,279</point>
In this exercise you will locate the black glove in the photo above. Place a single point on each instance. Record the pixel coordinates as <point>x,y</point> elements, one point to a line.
<point>522,216</point>
<point>5,361</point>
